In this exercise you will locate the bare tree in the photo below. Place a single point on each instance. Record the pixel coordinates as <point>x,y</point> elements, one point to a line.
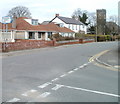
<point>113,18</point>
<point>91,16</point>
<point>78,12</point>
<point>19,11</point>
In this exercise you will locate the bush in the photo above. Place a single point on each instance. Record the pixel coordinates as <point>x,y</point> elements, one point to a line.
<point>104,38</point>
<point>59,37</point>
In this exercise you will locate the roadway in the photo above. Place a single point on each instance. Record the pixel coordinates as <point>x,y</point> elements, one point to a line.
<point>60,74</point>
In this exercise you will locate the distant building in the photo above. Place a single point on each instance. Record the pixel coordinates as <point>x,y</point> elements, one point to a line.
<point>101,21</point>
<point>70,23</point>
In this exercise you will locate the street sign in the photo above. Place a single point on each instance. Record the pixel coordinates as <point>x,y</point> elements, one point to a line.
<point>6,20</point>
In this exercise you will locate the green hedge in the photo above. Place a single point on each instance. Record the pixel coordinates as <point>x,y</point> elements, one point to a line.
<point>93,36</point>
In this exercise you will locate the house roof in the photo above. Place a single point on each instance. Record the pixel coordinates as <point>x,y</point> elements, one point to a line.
<point>45,22</point>
<point>69,20</point>
<point>54,27</point>
<point>22,24</point>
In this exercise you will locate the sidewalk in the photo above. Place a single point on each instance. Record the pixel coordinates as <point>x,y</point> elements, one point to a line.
<point>110,58</point>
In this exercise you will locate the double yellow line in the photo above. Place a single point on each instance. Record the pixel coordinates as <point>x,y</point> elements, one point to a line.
<point>94,61</point>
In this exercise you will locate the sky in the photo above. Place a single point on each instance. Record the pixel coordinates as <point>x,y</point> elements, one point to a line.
<point>45,10</point>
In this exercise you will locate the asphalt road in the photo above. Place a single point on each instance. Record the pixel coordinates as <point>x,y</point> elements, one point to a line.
<point>60,74</point>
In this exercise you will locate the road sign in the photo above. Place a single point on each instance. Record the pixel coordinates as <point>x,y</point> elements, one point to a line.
<point>6,20</point>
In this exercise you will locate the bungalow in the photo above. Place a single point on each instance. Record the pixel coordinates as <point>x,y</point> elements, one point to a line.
<point>24,28</point>
<point>70,23</point>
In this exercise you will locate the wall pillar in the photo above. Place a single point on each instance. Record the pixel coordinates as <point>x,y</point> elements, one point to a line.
<point>26,34</point>
<point>13,36</point>
<point>46,36</point>
<point>36,35</point>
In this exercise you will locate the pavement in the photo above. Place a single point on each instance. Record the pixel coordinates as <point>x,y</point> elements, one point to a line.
<point>111,58</point>
<point>60,74</point>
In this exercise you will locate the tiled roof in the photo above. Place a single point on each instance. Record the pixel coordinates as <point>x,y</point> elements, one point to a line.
<point>21,24</point>
<point>53,27</point>
<point>69,20</point>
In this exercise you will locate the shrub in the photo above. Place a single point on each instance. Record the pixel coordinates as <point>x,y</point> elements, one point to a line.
<point>59,37</point>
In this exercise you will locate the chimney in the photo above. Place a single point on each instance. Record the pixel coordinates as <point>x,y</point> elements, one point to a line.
<point>14,22</point>
<point>56,15</point>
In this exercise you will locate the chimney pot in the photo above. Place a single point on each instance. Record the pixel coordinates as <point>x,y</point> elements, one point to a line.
<point>56,15</point>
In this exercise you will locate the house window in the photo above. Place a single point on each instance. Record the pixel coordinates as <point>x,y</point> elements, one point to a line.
<point>31,35</point>
<point>76,27</point>
<point>39,35</point>
<point>69,26</point>
<point>73,27</point>
<point>61,25</point>
<point>83,26</point>
<point>34,22</point>
<point>49,34</point>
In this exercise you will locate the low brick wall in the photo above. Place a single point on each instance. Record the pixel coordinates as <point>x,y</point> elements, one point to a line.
<point>80,41</point>
<point>30,44</point>
<point>25,44</point>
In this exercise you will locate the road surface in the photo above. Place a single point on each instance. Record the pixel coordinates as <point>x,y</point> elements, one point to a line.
<point>60,74</point>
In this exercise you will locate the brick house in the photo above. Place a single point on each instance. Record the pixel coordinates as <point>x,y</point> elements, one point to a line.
<point>24,28</point>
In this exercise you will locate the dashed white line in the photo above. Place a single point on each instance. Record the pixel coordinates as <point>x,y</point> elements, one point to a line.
<point>84,64</point>
<point>14,100</point>
<point>25,94</point>
<point>75,69</point>
<point>44,85</point>
<point>30,91</point>
<point>81,66</point>
<point>70,72</point>
<point>55,79</point>
<point>33,90</point>
<point>57,87</point>
<point>63,75</point>
<point>54,88</point>
<point>45,94</point>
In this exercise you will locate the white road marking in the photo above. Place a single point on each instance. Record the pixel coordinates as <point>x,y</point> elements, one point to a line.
<point>33,90</point>
<point>57,87</point>
<point>14,100</point>
<point>84,64</point>
<point>75,69</point>
<point>70,72</point>
<point>92,91</point>
<point>25,94</point>
<point>81,66</point>
<point>45,94</point>
<point>44,85</point>
<point>63,75</point>
<point>55,79</point>
<point>116,66</point>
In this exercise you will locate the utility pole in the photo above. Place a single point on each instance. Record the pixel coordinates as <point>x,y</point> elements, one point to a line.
<point>96,35</point>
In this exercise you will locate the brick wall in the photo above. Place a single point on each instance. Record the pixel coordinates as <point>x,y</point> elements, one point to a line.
<point>30,44</point>
<point>25,44</point>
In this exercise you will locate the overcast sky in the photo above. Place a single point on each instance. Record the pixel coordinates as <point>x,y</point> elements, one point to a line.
<point>46,9</point>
